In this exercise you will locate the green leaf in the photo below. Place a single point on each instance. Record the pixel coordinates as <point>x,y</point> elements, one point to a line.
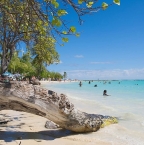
<point>104,5</point>
<point>80,1</point>
<point>72,29</point>
<point>65,39</point>
<point>61,12</point>
<point>56,22</point>
<point>56,4</point>
<point>77,34</point>
<point>89,4</point>
<point>64,32</point>
<point>117,2</point>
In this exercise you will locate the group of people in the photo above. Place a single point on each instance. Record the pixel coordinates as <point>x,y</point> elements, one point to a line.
<point>104,92</point>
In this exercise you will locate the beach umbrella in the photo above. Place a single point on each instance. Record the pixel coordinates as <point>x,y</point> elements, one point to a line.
<point>6,74</point>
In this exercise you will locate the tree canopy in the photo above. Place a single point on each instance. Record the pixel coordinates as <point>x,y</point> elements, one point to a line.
<point>26,66</point>
<point>39,24</point>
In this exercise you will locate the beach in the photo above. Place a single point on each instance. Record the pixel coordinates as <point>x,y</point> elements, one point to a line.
<point>26,128</point>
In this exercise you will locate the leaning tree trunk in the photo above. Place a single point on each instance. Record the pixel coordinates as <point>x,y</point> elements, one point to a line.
<point>22,96</point>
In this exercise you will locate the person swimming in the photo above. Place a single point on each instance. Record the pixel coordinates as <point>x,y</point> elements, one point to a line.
<point>95,85</point>
<point>105,93</point>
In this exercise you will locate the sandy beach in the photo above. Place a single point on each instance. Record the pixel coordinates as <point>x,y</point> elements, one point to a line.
<point>26,129</point>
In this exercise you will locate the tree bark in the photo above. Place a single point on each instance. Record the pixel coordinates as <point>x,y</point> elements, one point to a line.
<point>21,96</point>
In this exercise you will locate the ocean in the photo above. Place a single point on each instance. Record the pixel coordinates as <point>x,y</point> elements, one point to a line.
<point>125,101</point>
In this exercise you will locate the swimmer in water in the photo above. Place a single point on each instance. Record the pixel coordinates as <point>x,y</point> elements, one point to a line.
<point>105,93</point>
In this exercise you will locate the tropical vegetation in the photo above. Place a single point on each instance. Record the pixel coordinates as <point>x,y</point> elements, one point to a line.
<point>40,24</point>
<point>27,66</point>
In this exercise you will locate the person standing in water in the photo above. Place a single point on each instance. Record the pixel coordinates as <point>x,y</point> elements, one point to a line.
<point>80,84</point>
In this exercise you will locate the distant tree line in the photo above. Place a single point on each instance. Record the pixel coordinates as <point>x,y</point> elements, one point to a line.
<point>28,67</point>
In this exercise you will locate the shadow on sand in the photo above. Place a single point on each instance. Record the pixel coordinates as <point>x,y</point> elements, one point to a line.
<point>9,136</point>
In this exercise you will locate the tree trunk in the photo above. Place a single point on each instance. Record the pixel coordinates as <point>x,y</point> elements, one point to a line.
<point>4,63</point>
<point>8,51</point>
<point>22,96</point>
<point>7,47</point>
<point>3,58</point>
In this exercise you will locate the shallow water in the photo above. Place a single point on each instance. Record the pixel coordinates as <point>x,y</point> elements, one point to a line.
<point>126,101</point>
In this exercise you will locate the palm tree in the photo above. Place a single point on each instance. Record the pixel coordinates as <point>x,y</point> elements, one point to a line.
<point>65,75</point>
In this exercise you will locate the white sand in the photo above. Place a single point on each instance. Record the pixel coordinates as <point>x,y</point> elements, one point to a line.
<point>45,82</point>
<point>28,129</point>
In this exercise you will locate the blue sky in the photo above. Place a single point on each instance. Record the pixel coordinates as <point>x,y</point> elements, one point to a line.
<point>111,45</point>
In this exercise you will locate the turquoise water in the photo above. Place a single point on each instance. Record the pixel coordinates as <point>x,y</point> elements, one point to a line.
<point>121,89</point>
<point>126,101</point>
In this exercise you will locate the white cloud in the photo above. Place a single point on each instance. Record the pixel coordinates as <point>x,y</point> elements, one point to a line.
<point>97,62</point>
<point>79,56</point>
<point>58,62</point>
<point>107,74</point>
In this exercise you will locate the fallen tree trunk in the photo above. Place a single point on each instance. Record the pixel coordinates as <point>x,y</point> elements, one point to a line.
<point>21,96</point>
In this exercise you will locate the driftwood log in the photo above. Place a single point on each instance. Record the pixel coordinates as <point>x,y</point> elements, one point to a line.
<point>22,96</point>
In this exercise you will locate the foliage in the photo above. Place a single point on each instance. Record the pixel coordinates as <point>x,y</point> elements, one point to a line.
<point>25,66</point>
<point>55,76</point>
<point>44,51</point>
<point>65,75</point>
<point>36,21</point>
<point>21,65</point>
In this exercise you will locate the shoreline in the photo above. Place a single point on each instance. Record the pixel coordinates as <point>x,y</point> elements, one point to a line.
<point>43,82</point>
<point>27,128</point>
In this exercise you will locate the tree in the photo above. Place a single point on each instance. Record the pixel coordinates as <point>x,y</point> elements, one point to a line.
<point>44,52</point>
<point>26,66</point>
<point>28,20</point>
<point>58,76</point>
<point>65,75</point>
<point>15,62</point>
<point>22,65</point>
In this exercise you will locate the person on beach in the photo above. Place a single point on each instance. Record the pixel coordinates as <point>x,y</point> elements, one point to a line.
<point>105,93</point>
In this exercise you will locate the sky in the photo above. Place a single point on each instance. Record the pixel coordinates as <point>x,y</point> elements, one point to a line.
<point>110,46</point>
